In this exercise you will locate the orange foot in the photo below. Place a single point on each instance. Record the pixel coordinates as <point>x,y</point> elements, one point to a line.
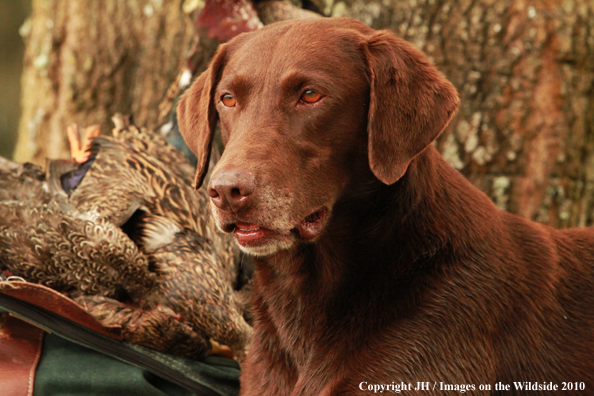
<point>80,152</point>
<point>222,350</point>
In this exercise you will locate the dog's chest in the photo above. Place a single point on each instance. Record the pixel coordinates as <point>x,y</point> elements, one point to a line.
<point>294,309</point>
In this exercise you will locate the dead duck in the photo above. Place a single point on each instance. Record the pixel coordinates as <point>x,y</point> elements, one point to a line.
<point>189,287</point>
<point>121,181</point>
<point>175,298</point>
<point>124,174</point>
<point>71,252</point>
<point>139,171</point>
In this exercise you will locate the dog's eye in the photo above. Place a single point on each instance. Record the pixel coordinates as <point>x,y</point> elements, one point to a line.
<point>228,100</point>
<point>311,96</point>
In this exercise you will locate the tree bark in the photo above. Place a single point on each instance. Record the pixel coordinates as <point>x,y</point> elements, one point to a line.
<point>524,69</point>
<point>86,60</point>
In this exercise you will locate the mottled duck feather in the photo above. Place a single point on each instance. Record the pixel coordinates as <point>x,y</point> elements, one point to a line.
<point>72,253</point>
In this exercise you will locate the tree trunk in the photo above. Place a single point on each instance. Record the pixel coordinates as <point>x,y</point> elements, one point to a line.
<point>524,69</point>
<point>86,60</point>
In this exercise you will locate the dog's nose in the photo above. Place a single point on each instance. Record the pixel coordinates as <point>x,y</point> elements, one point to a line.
<point>231,189</point>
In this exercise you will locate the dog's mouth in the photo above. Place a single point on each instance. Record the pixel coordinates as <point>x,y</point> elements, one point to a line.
<point>249,234</point>
<point>253,234</point>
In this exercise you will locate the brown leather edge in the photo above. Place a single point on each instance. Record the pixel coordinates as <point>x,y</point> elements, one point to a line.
<point>20,349</point>
<point>31,382</point>
<point>51,300</point>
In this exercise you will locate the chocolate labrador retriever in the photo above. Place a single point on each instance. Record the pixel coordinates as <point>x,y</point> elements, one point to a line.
<point>378,266</point>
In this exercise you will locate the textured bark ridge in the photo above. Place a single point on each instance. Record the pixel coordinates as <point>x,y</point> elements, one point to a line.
<point>524,69</point>
<point>86,60</point>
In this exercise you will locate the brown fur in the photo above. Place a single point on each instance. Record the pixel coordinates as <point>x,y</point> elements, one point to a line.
<point>415,276</point>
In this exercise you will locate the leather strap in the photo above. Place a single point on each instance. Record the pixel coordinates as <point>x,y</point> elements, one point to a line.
<point>20,349</point>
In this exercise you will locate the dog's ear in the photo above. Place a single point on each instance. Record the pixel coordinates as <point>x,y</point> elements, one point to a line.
<point>411,103</point>
<point>197,115</point>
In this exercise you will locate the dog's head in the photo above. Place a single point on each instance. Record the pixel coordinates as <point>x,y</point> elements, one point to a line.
<point>303,106</point>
